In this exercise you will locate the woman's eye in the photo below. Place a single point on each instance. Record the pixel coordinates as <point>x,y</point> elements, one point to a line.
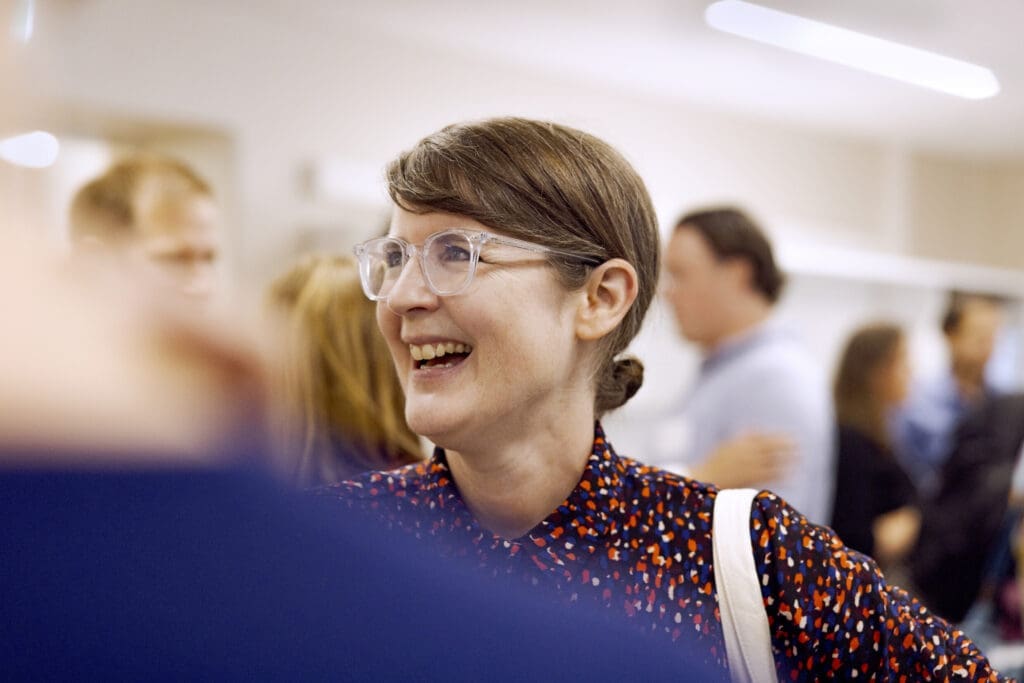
<point>393,258</point>
<point>452,253</point>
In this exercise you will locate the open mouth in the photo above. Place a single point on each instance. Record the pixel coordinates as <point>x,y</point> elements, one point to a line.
<point>440,354</point>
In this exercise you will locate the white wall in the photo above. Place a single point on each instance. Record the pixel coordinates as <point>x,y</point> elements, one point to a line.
<point>284,91</point>
<point>343,91</point>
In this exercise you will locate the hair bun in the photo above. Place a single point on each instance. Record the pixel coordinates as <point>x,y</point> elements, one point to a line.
<point>621,379</point>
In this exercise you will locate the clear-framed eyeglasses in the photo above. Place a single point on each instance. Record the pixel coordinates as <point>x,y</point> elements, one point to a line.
<point>448,260</point>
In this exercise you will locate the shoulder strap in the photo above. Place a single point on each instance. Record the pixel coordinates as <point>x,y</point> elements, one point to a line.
<point>744,622</point>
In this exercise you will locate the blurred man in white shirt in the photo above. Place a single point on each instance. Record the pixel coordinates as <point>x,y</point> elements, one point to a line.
<point>758,397</point>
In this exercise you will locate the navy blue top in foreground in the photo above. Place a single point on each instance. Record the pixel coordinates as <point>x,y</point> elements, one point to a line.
<point>219,574</point>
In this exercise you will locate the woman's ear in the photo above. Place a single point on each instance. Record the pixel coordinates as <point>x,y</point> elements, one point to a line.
<point>609,292</point>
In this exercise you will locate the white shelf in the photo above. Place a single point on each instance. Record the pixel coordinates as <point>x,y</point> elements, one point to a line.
<point>868,266</point>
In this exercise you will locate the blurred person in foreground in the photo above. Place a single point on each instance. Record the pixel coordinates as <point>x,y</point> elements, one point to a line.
<point>154,216</point>
<point>923,430</point>
<point>966,534</point>
<point>875,508</point>
<point>755,378</point>
<point>142,539</point>
<point>533,249</point>
<point>345,408</point>
<point>968,564</point>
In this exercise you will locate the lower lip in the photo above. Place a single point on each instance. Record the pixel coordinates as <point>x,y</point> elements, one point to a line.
<point>437,372</point>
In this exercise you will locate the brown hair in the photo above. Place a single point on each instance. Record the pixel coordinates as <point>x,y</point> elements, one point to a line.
<point>105,207</point>
<point>348,410</point>
<point>869,348</point>
<point>552,185</point>
<point>732,234</point>
<point>957,303</point>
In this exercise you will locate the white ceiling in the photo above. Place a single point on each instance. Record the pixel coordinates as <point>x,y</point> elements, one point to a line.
<point>663,49</point>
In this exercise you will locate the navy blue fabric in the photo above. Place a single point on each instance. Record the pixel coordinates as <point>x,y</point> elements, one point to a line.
<point>222,574</point>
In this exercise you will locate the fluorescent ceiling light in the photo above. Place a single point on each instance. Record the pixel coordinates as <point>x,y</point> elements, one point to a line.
<point>37,149</point>
<point>24,21</point>
<point>850,48</point>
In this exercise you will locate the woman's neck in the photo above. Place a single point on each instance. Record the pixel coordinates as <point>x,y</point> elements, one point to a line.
<point>515,481</point>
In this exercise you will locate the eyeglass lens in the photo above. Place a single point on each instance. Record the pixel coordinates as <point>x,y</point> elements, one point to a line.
<point>447,260</point>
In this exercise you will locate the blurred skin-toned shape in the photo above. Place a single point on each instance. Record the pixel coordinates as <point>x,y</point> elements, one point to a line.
<point>746,460</point>
<point>94,363</point>
<point>157,218</point>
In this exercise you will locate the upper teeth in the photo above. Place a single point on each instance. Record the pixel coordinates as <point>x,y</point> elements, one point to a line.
<point>429,351</point>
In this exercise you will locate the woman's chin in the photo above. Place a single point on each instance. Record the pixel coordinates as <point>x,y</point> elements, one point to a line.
<point>433,426</point>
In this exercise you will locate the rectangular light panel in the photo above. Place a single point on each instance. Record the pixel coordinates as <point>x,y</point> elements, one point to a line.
<point>850,48</point>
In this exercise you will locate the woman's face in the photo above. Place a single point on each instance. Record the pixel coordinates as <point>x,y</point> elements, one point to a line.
<point>515,326</point>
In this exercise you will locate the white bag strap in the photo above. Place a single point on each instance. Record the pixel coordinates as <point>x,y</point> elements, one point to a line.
<point>748,641</point>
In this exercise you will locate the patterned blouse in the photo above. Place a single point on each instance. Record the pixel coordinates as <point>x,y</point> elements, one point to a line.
<point>638,539</point>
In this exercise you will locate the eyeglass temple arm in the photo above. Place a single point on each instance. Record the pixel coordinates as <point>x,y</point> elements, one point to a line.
<point>539,248</point>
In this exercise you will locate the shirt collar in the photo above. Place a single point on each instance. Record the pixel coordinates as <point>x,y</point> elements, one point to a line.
<point>740,344</point>
<point>948,393</point>
<point>586,517</point>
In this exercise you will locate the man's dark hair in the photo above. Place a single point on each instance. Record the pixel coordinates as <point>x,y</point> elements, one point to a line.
<point>732,234</point>
<point>956,304</point>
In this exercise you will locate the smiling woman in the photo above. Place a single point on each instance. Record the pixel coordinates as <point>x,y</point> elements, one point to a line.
<point>509,364</point>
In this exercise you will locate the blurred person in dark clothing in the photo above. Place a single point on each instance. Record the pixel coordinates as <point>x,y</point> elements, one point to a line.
<point>966,526</point>
<point>923,430</point>
<point>875,508</point>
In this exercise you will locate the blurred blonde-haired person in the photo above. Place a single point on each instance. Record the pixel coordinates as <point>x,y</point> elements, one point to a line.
<point>154,216</point>
<point>344,407</point>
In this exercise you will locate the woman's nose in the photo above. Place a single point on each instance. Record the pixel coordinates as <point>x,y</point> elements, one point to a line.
<point>411,291</point>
